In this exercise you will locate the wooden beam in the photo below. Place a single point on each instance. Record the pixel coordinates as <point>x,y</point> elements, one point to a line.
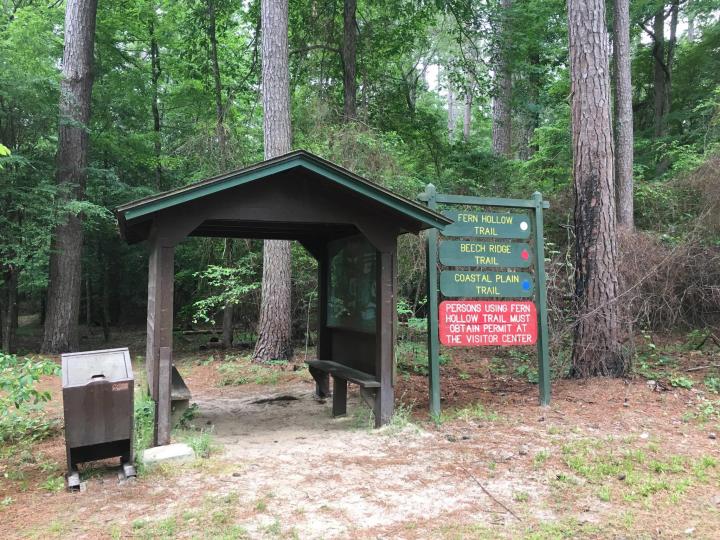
<point>161,275</point>
<point>164,405</point>
<point>385,339</point>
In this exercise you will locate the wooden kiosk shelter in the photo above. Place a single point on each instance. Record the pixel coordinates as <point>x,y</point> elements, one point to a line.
<point>349,224</point>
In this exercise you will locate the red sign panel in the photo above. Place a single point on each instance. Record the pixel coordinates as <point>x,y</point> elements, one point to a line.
<point>468,323</point>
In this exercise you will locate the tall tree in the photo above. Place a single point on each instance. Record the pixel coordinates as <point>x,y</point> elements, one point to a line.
<point>155,72</point>
<point>63,305</point>
<point>623,113</point>
<point>349,60</point>
<point>663,52</point>
<point>467,112</point>
<point>451,119</point>
<point>222,147</point>
<point>596,345</point>
<point>501,113</point>
<point>275,328</point>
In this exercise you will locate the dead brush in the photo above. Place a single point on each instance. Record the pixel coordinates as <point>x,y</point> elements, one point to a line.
<point>668,286</point>
<point>665,283</point>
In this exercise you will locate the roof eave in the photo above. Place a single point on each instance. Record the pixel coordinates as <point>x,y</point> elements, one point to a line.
<point>143,207</point>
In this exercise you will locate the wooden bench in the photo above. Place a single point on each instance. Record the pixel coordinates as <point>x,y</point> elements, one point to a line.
<point>179,397</point>
<point>341,375</point>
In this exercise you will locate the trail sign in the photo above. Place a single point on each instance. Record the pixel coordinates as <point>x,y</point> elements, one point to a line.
<point>468,323</point>
<point>483,250</point>
<point>491,254</point>
<point>486,284</point>
<point>487,224</point>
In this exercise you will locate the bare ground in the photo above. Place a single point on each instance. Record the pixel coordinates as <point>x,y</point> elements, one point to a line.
<point>608,459</point>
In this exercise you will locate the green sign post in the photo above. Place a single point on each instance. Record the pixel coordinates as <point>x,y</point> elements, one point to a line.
<point>488,247</point>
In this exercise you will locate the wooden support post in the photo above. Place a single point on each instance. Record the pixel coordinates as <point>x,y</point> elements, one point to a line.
<point>164,404</point>
<point>385,339</point>
<point>339,403</point>
<point>324,345</point>
<point>543,350</point>
<point>161,275</point>
<point>432,316</point>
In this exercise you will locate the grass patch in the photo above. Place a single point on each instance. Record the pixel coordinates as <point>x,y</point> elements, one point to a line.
<point>239,371</point>
<point>540,458</point>
<point>362,417</point>
<point>202,442</point>
<point>629,474</point>
<point>474,412</point>
<point>144,426</point>
<point>400,420</point>
<point>214,518</point>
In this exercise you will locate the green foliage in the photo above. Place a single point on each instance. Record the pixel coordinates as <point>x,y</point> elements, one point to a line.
<point>202,442</point>
<point>409,55</point>
<point>21,412</point>
<point>144,423</point>
<point>242,371</point>
<point>681,382</point>
<point>712,384</point>
<point>230,284</point>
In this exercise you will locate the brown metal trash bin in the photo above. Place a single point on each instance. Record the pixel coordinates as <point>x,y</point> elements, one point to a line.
<point>98,405</point>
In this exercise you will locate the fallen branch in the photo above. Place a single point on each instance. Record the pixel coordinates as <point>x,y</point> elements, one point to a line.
<point>471,475</point>
<point>698,368</point>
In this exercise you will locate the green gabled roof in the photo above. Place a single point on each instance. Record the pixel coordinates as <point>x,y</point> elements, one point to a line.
<point>300,158</point>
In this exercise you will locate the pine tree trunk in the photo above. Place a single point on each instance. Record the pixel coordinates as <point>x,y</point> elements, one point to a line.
<point>663,55</point>
<point>275,325</point>
<point>467,116</point>
<point>10,310</point>
<point>659,74</point>
<point>596,345</point>
<point>690,21</point>
<point>63,307</point>
<point>217,87</point>
<point>227,328</point>
<point>106,298</point>
<point>531,117</point>
<point>221,134</point>
<point>349,59</point>
<point>155,76</point>
<point>502,122</point>
<point>623,114</point>
<point>451,114</point>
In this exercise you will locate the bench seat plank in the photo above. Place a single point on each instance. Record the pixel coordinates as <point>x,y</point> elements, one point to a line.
<point>344,372</point>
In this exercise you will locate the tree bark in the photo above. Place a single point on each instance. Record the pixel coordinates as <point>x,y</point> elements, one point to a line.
<point>451,114</point>
<point>502,121</point>
<point>623,114</point>
<point>217,88</point>
<point>349,60</point>
<point>531,116</point>
<point>61,323</point>
<point>467,116</point>
<point>274,329</point>
<point>227,329</point>
<point>157,125</point>
<point>663,56</point>
<point>596,345</point>
<point>660,74</point>
<point>221,134</point>
<point>10,310</point>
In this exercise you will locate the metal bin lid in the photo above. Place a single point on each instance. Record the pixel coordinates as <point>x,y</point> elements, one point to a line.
<point>80,368</point>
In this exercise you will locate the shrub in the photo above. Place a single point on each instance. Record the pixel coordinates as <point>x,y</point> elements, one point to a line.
<point>21,412</point>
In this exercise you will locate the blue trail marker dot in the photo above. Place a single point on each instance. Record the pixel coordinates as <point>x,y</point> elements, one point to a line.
<point>526,285</point>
